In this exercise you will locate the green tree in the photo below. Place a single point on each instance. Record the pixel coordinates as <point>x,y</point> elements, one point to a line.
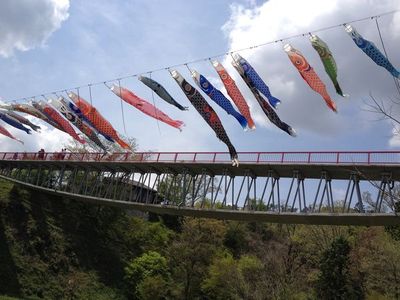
<point>377,261</point>
<point>154,287</point>
<point>228,278</point>
<point>191,253</point>
<point>235,238</point>
<point>334,281</point>
<point>180,190</point>
<point>394,230</point>
<point>146,270</point>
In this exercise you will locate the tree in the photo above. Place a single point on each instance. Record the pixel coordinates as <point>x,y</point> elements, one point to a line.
<point>334,281</point>
<point>377,261</point>
<point>384,111</point>
<point>146,270</point>
<point>235,279</point>
<point>76,147</point>
<point>223,278</point>
<point>191,253</point>
<point>235,238</point>
<point>178,190</point>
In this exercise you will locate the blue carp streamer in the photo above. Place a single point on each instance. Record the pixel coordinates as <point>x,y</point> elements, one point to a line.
<point>372,51</point>
<point>218,97</point>
<point>256,80</point>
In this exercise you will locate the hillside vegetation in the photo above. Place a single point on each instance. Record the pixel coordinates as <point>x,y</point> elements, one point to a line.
<point>53,248</point>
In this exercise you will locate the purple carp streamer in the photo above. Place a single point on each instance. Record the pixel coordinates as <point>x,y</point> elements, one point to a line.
<point>23,120</point>
<point>13,122</point>
<point>372,51</point>
<point>267,109</point>
<point>207,113</point>
<point>31,110</point>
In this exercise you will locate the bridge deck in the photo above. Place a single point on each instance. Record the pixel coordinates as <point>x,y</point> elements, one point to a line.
<point>369,165</point>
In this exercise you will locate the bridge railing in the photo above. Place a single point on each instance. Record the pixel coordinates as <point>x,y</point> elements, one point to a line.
<point>302,157</point>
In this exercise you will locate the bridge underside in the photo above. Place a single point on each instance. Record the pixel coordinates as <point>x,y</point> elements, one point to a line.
<point>279,193</point>
<point>357,219</point>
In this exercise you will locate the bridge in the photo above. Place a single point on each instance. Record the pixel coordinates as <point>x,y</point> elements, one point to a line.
<point>280,187</point>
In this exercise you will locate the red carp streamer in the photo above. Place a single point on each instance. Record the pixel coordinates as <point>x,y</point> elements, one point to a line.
<point>59,119</point>
<point>7,133</point>
<point>144,106</point>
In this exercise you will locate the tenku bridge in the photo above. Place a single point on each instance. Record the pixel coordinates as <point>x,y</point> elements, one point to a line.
<point>282,187</point>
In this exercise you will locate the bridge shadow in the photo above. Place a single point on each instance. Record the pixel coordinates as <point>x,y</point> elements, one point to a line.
<point>9,284</point>
<point>86,229</point>
<point>63,235</point>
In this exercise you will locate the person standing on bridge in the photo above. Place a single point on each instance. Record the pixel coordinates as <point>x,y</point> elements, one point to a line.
<point>41,154</point>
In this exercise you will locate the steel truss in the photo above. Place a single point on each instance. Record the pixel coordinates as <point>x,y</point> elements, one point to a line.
<point>203,189</point>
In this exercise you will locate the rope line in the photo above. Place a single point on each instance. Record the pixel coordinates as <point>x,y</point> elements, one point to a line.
<point>396,83</point>
<point>154,103</point>
<point>217,55</point>
<point>90,94</point>
<point>122,108</point>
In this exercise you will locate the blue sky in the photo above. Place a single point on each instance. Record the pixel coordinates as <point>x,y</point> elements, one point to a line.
<point>63,44</point>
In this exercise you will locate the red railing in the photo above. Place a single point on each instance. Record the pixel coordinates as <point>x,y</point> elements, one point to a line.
<point>315,157</point>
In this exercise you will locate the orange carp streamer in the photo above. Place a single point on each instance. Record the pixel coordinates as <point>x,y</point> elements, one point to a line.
<point>234,93</point>
<point>97,120</point>
<point>309,75</point>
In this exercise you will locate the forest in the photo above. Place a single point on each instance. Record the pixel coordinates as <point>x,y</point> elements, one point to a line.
<point>53,248</point>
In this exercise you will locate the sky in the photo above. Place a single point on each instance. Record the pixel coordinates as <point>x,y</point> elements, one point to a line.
<point>49,45</point>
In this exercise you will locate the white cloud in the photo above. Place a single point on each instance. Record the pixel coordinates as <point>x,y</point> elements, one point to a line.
<point>339,194</point>
<point>49,138</point>
<point>395,139</point>
<point>25,24</point>
<point>301,107</point>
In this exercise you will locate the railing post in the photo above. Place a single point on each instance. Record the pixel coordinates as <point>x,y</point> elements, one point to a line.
<point>215,156</point>
<point>158,156</point>
<point>258,157</point>
<point>194,157</point>
<point>176,155</point>
<point>309,157</point>
<point>337,157</point>
<point>369,157</point>
<point>283,156</point>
